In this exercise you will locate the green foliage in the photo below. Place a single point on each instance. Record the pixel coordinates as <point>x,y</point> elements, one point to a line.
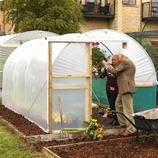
<point>150,49</point>
<point>11,146</point>
<point>103,111</point>
<point>58,16</point>
<point>72,113</point>
<point>94,130</point>
<point>138,108</point>
<point>98,56</point>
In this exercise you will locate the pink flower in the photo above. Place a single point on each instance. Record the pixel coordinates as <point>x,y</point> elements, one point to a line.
<point>97,43</point>
<point>70,120</point>
<point>105,59</point>
<point>94,72</point>
<point>99,63</point>
<point>93,43</point>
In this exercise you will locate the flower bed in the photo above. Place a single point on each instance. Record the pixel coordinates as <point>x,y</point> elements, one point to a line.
<point>117,148</point>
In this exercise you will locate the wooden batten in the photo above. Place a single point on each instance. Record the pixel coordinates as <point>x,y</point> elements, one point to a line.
<point>124,45</point>
<point>67,76</point>
<point>50,86</point>
<point>87,90</point>
<point>90,81</point>
<point>144,85</point>
<point>70,87</point>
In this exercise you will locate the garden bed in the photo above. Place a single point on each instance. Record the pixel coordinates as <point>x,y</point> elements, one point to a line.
<point>31,133</point>
<point>117,148</point>
<point>30,129</point>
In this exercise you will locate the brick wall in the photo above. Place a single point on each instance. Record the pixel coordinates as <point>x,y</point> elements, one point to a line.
<point>131,17</point>
<point>5,28</point>
<point>95,24</point>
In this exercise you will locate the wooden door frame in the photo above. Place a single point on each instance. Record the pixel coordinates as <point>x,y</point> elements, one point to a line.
<point>88,89</point>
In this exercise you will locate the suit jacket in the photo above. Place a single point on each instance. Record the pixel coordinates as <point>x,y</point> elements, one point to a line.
<point>125,73</point>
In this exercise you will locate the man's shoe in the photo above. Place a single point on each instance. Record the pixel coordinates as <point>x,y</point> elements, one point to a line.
<point>125,134</point>
<point>120,126</point>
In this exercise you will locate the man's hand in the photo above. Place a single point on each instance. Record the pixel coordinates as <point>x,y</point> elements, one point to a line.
<point>104,63</point>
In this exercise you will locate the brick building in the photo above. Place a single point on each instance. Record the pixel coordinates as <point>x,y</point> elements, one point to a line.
<point>5,28</point>
<point>120,15</point>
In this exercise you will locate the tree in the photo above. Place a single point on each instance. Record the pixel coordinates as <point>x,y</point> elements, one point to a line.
<point>58,16</point>
<point>150,49</point>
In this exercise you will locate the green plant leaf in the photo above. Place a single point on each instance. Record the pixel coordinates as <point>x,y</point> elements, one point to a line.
<point>86,123</point>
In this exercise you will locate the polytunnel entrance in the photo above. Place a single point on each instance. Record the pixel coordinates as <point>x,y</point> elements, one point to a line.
<point>73,87</point>
<point>87,108</point>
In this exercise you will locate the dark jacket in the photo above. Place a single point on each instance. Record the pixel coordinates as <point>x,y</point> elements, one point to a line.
<point>111,84</point>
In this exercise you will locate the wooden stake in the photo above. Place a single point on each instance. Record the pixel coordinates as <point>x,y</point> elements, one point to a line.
<point>61,116</point>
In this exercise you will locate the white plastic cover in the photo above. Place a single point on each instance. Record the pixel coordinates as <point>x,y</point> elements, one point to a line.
<point>145,70</point>
<point>9,43</point>
<point>25,86</point>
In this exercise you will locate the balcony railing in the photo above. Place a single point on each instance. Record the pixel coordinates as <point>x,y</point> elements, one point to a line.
<point>150,11</point>
<point>90,9</point>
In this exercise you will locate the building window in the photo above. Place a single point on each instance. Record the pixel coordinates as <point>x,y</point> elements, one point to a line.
<point>129,1</point>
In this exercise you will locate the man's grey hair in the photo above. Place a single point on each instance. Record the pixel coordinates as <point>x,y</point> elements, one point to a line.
<point>124,52</point>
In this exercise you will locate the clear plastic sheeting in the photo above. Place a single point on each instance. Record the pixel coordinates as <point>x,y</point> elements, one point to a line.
<point>9,43</point>
<point>145,70</point>
<point>25,76</point>
<point>25,86</point>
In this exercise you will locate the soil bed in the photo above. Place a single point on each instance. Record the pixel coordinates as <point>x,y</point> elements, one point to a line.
<point>29,128</point>
<point>119,148</point>
<point>19,122</point>
<point>109,149</point>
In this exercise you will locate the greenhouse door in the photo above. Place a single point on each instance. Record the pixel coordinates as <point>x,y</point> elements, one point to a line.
<point>70,77</point>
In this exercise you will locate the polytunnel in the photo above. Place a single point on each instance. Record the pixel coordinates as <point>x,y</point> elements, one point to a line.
<point>9,43</point>
<point>145,77</point>
<point>32,87</point>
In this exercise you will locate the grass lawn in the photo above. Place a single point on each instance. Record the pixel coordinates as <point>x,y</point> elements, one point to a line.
<point>12,146</point>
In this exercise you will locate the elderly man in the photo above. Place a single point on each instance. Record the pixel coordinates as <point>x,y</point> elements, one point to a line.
<point>125,73</point>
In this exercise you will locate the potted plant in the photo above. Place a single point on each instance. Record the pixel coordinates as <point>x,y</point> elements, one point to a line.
<point>98,56</point>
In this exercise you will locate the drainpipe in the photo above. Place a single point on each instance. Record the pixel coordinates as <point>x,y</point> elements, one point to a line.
<point>3,20</point>
<point>141,14</point>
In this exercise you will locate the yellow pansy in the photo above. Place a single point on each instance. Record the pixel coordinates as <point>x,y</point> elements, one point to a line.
<point>94,120</point>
